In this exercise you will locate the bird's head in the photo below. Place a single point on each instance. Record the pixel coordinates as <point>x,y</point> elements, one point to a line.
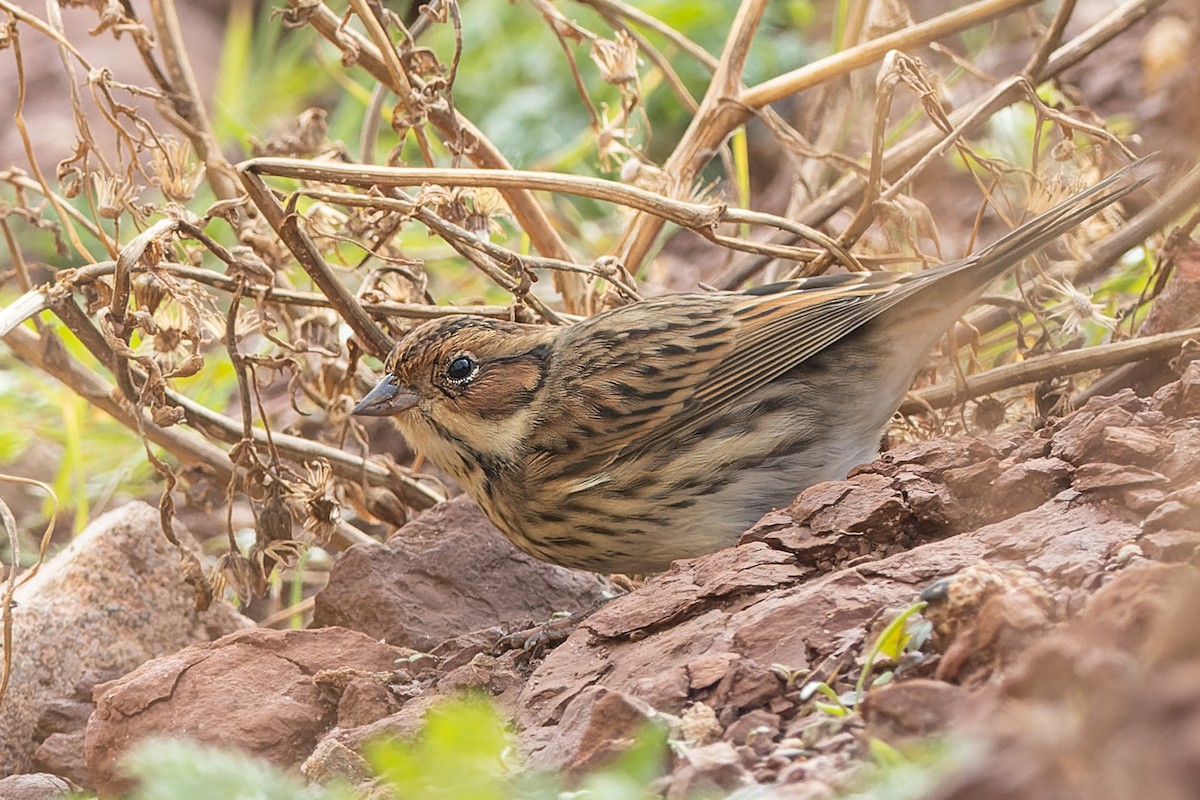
<point>463,386</point>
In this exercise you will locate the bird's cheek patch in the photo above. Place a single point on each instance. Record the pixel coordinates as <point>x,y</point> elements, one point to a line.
<point>502,390</point>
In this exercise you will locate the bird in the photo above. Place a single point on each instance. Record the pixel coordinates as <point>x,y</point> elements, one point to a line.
<point>663,429</point>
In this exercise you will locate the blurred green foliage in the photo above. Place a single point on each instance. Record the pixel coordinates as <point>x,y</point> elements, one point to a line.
<point>464,751</point>
<point>168,769</point>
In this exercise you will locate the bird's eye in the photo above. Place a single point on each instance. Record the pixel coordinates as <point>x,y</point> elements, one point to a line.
<point>461,368</point>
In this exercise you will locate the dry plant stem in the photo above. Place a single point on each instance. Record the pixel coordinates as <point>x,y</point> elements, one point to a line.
<point>725,107</point>
<point>186,100</point>
<point>305,606</point>
<point>470,248</point>
<point>10,587</point>
<point>99,393</point>
<point>466,243</point>
<point>23,130</point>
<point>1052,39</point>
<point>118,307</point>
<point>19,268</point>
<point>450,123</point>
<point>1040,368</point>
<point>343,464</point>
<point>11,583</point>
<point>699,217</point>
<point>188,447</point>
<point>484,255</point>
<point>856,19</point>
<point>286,225</point>
<point>317,300</point>
<point>1177,200</point>
<point>178,443</point>
<point>644,20</point>
<point>389,56</point>
<point>224,429</point>
<point>695,216</point>
<point>37,300</point>
<point>1132,233</point>
<point>659,60</point>
<point>47,532</point>
<point>54,17</point>
<point>392,61</point>
<point>19,179</point>
<point>903,155</point>
<point>861,55</point>
<point>25,307</point>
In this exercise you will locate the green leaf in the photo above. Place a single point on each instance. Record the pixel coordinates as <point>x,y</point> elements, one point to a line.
<point>168,769</point>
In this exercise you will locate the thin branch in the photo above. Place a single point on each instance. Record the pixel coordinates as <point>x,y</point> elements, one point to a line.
<point>905,154</point>
<point>1039,368</point>
<point>449,122</point>
<point>287,226</point>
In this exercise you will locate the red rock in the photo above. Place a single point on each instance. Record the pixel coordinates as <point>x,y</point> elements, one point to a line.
<point>111,600</point>
<point>1188,495</point>
<point>1181,398</point>
<point>1107,706</point>
<point>710,668</point>
<point>61,754</point>
<point>740,570</point>
<point>866,504</point>
<point>913,708</point>
<point>752,725</point>
<point>255,689</point>
<point>1135,445</point>
<point>938,456</point>
<point>1143,499</point>
<point>596,727</point>
<point>1171,545</point>
<point>745,686</point>
<point>1080,437</point>
<point>928,500</point>
<point>404,724</point>
<point>1172,514</point>
<point>708,770</point>
<point>1185,455</point>
<point>1099,476</point>
<point>668,597</point>
<point>333,760</point>
<point>1007,623</point>
<point>1135,598</point>
<point>36,786</point>
<point>492,675</point>
<point>447,573</point>
<point>666,690</point>
<point>698,725</point>
<point>1026,485</point>
<point>363,701</point>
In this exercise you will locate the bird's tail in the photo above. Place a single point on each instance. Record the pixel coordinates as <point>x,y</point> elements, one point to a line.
<point>1049,225</point>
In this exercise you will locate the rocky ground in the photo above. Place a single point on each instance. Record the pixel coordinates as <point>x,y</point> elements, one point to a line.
<point>1058,566</point>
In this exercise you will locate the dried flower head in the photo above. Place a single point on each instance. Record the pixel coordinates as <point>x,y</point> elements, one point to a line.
<point>114,193</point>
<point>175,173</point>
<point>617,59</point>
<point>323,512</point>
<point>1078,308</point>
<point>486,205</point>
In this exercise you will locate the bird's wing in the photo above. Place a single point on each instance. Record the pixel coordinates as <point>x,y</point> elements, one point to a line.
<point>779,327</point>
<point>672,364</point>
<point>666,367</point>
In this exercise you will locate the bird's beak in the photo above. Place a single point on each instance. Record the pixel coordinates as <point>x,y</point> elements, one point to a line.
<point>387,398</point>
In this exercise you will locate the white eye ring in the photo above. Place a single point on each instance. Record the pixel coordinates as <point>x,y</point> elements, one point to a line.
<point>462,368</point>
